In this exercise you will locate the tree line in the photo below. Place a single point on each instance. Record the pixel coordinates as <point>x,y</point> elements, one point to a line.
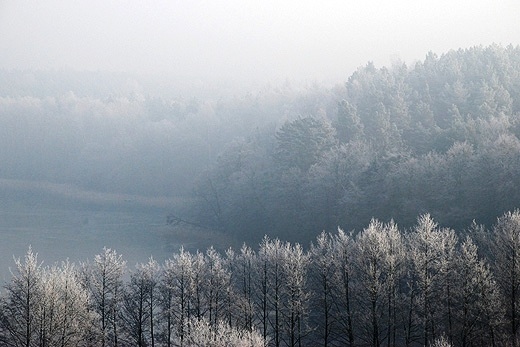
<point>381,286</point>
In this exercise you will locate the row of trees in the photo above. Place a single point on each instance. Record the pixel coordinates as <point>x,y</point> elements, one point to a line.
<point>99,304</point>
<point>382,286</point>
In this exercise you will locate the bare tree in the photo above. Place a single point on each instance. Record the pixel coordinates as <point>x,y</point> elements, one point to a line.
<point>295,264</point>
<point>104,280</point>
<point>138,309</point>
<point>344,259</point>
<point>478,307</point>
<point>244,277</point>
<point>65,319</point>
<point>22,304</point>
<point>175,295</point>
<point>506,249</point>
<point>430,249</point>
<point>322,270</point>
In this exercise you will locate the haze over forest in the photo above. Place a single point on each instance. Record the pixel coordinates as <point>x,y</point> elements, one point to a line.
<point>110,101</point>
<point>238,44</point>
<point>377,145</point>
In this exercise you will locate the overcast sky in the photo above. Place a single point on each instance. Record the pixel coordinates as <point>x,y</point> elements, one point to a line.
<point>242,40</point>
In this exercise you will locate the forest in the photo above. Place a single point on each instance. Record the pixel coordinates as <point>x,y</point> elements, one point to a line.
<point>383,286</point>
<point>408,174</point>
<point>440,136</point>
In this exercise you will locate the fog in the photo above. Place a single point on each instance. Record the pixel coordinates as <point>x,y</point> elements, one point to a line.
<point>244,42</point>
<point>174,108</point>
<point>154,127</point>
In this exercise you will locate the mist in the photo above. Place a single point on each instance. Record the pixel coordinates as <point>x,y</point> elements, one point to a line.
<point>243,43</point>
<point>184,110</point>
<point>276,156</point>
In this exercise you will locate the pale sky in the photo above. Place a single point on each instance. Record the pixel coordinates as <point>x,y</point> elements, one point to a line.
<point>245,40</point>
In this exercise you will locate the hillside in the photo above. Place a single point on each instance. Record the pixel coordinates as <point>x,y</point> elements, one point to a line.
<point>440,137</point>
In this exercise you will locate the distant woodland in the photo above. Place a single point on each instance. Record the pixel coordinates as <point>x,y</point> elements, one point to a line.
<point>438,136</point>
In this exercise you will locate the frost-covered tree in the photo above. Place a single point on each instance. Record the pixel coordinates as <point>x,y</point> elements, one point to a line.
<point>348,124</point>
<point>22,304</point>
<point>478,310</point>
<point>204,334</point>
<point>300,143</point>
<point>216,286</point>
<point>139,303</point>
<point>441,341</point>
<point>430,249</point>
<point>394,265</point>
<point>506,250</point>
<point>281,295</point>
<point>175,294</point>
<point>45,306</point>
<point>322,270</point>
<point>103,279</point>
<point>245,276</point>
<point>263,288</point>
<point>295,264</point>
<point>65,317</point>
<point>198,305</point>
<point>272,282</point>
<point>151,273</point>
<point>379,254</point>
<point>344,278</point>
